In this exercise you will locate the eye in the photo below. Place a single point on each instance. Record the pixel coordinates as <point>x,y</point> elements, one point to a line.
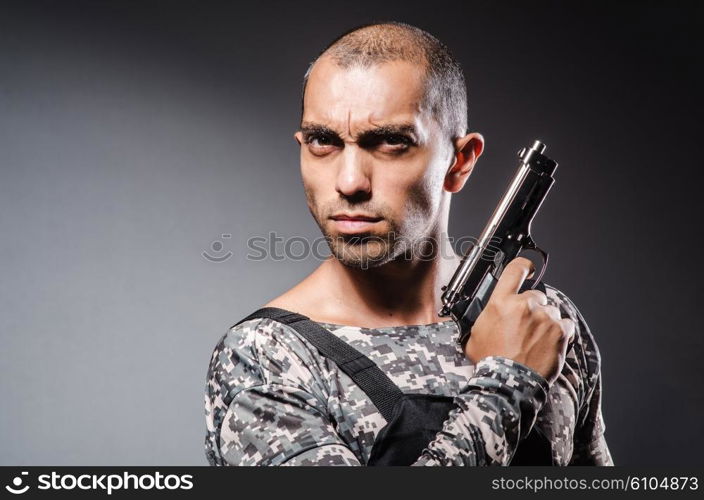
<point>321,143</point>
<point>395,143</point>
<point>396,139</point>
<point>320,140</point>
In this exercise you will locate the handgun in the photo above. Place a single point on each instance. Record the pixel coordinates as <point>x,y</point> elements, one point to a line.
<point>506,235</point>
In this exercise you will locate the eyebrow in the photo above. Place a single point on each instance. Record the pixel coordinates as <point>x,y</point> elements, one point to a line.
<point>309,128</point>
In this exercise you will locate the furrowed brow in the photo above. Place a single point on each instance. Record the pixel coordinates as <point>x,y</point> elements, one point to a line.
<point>386,130</point>
<point>314,128</point>
<point>407,129</point>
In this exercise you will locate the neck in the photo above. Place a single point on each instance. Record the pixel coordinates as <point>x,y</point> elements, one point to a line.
<point>405,291</point>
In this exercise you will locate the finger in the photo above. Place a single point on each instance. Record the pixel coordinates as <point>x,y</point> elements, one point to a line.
<point>569,328</point>
<point>535,297</point>
<point>553,312</point>
<point>513,276</point>
<point>531,273</point>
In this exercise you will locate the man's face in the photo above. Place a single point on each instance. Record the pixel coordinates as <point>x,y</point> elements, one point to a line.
<point>372,160</point>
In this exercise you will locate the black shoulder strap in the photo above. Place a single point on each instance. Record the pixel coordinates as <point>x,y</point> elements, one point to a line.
<point>362,370</point>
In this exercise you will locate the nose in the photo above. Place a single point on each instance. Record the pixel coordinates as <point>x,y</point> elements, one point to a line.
<point>353,177</point>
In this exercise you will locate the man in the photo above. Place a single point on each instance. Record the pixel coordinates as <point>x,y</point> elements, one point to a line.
<point>384,144</point>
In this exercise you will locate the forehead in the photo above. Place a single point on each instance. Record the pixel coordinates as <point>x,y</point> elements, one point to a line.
<point>346,98</point>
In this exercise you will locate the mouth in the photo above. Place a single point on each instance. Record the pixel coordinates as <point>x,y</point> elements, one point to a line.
<point>354,223</point>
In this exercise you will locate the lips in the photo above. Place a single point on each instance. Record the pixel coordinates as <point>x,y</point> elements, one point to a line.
<point>354,223</point>
<point>355,217</point>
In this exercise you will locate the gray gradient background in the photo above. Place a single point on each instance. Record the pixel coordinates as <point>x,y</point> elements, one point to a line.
<point>134,134</point>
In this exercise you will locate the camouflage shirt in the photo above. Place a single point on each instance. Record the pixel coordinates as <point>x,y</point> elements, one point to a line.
<point>272,399</point>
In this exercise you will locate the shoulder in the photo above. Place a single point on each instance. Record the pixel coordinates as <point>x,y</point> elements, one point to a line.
<point>263,351</point>
<point>299,301</point>
<point>257,343</point>
<point>584,347</point>
<point>257,356</point>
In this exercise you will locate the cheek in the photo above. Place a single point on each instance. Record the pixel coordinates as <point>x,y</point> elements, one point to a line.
<point>409,189</point>
<point>317,183</point>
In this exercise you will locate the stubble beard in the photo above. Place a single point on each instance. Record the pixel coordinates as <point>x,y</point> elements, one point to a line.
<point>371,249</point>
<point>361,250</point>
<point>365,250</point>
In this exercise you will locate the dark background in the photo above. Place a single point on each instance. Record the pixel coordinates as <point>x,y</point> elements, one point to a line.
<point>133,135</point>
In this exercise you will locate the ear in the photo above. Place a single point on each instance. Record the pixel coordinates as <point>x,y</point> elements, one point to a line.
<point>468,149</point>
<point>299,137</point>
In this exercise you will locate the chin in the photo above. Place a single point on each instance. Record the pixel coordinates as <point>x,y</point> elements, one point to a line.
<point>362,255</point>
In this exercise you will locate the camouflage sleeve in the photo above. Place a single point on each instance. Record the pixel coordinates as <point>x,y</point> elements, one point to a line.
<point>584,359</point>
<point>266,401</point>
<point>590,446</point>
<point>497,407</point>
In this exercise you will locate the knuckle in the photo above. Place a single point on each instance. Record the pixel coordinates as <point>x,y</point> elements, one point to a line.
<point>553,312</point>
<point>540,297</point>
<point>564,332</point>
<point>535,297</point>
<point>542,316</point>
<point>570,326</point>
<point>523,307</point>
<point>558,334</point>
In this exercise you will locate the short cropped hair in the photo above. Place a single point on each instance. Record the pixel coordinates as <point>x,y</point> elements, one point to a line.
<point>445,89</point>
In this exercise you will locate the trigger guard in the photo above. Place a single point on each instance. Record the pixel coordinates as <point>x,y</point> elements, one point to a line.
<point>544,255</point>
